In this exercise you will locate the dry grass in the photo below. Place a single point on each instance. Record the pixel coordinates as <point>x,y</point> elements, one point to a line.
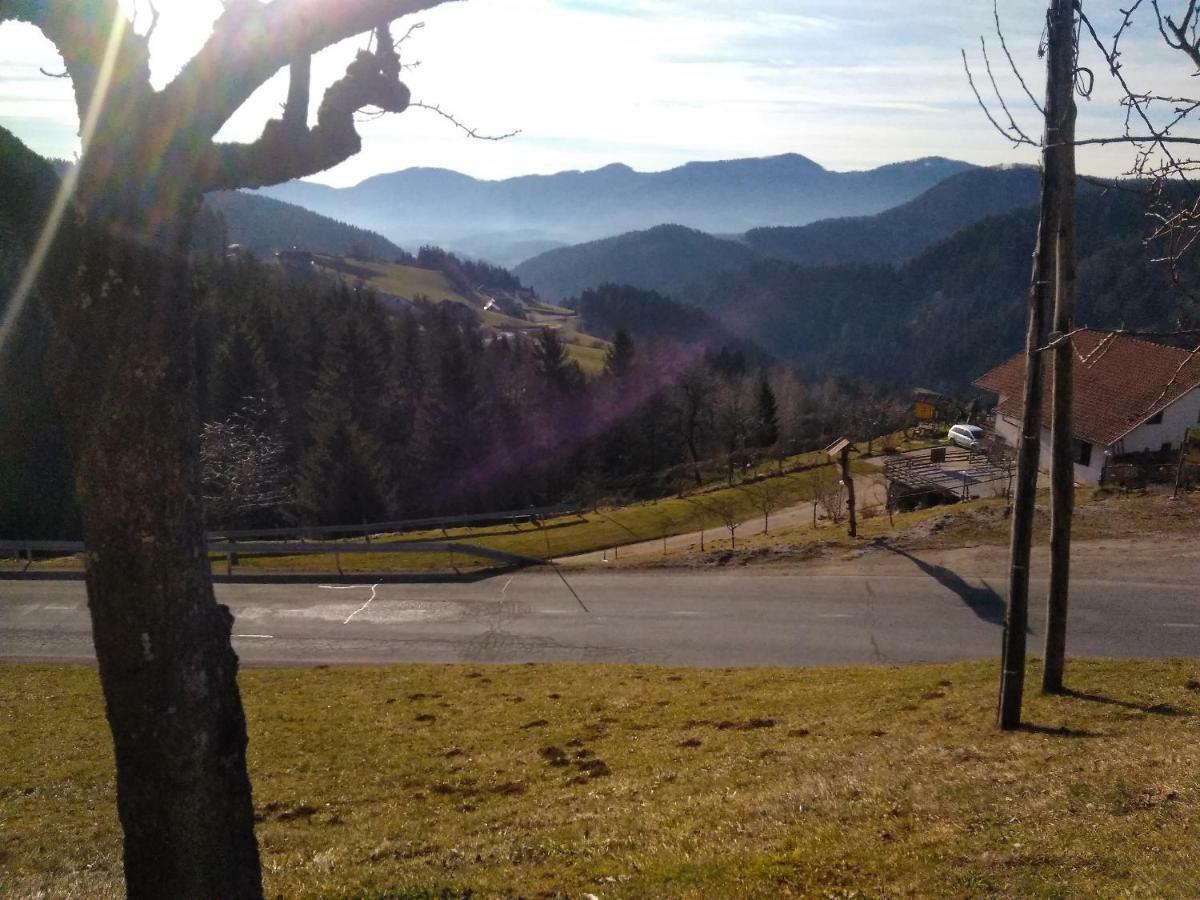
<point>553,781</point>
<point>1099,515</point>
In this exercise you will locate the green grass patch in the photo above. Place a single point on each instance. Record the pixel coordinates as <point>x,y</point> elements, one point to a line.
<point>596,530</point>
<point>411,281</point>
<point>631,782</point>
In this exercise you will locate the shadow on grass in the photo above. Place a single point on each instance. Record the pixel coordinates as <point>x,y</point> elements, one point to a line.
<point>1157,709</point>
<point>983,601</point>
<point>1060,731</point>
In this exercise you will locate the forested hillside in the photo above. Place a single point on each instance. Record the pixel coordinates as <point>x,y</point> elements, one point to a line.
<point>339,411</point>
<point>264,225</point>
<point>955,310</point>
<point>35,492</point>
<point>896,234</point>
<point>663,258</point>
<point>321,405</point>
<point>650,316</point>
<point>669,258</point>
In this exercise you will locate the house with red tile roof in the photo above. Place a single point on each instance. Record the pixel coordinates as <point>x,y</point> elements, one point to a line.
<point>1131,396</point>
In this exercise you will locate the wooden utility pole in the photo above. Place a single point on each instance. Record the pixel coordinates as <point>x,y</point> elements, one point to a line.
<point>839,451</point>
<point>1060,138</point>
<point>1183,449</point>
<point>849,482</point>
<point>1059,71</point>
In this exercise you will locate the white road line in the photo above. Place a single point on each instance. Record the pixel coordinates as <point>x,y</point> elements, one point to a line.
<point>265,637</point>
<point>364,606</point>
<point>1181,625</point>
<point>504,590</point>
<point>835,615</point>
<point>57,608</point>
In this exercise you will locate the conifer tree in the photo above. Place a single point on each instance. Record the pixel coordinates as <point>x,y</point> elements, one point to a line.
<point>619,359</point>
<point>766,414</point>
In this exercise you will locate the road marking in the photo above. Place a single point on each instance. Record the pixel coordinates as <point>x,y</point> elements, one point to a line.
<point>835,615</point>
<point>504,590</point>
<point>1180,625</point>
<point>364,606</point>
<point>58,608</point>
<point>265,637</point>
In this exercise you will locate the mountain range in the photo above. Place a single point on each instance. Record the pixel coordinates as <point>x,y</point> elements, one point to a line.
<point>946,315</point>
<point>669,257</point>
<point>511,219</point>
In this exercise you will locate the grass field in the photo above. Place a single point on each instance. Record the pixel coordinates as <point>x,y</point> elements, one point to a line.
<point>633,782</point>
<point>412,281</point>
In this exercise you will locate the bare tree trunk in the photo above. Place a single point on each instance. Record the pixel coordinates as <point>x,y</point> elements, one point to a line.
<point>1012,675</point>
<point>849,482</point>
<point>168,671</point>
<point>1060,134</point>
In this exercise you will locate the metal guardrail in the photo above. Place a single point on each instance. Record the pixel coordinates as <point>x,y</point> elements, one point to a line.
<point>232,543</point>
<point>512,517</point>
<point>232,549</point>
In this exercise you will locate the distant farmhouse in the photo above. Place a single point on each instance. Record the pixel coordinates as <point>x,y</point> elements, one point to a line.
<point>1131,397</point>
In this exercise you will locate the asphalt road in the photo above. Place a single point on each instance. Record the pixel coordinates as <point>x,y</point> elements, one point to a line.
<point>704,619</point>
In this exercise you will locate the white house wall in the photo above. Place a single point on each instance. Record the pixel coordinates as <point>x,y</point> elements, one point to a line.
<point>1181,415</point>
<point>1008,431</point>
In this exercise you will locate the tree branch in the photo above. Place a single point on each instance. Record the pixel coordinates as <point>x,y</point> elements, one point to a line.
<point>295,113</point>
<point>287,149</point>
<point>252,41</point>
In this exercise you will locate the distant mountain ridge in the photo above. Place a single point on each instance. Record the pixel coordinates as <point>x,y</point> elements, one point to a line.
<point>667,258</point>
<point>662,258</point>
<point>729,196</point>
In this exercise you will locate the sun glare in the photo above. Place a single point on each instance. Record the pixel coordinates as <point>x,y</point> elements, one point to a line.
<point>66,190</point>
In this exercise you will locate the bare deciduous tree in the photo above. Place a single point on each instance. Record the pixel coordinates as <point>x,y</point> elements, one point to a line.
<point>123,311</point>
<point>244,472</point>
<point>765,495</point>
<point>830,493</point>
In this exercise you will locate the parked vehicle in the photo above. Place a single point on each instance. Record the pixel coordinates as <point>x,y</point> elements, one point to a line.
<point>969,437</point>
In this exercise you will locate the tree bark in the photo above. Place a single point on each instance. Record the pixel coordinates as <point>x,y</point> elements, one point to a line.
<point>124,323</point>
<point>1060,133</point>
<point>1012,675</point>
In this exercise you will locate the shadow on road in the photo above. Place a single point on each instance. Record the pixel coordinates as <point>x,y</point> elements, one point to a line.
<point>468,577</point>
<point>983,601</point>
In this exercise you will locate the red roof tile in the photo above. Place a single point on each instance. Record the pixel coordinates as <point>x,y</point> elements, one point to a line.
<point>1120,381</point>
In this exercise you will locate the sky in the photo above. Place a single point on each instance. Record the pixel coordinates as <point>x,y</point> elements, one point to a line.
<point>652,83</point>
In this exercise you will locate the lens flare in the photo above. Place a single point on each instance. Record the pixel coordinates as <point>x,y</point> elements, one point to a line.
<point>66,190</point>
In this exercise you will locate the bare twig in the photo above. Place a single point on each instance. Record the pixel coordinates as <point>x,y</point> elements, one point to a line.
<point>470,132</point>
